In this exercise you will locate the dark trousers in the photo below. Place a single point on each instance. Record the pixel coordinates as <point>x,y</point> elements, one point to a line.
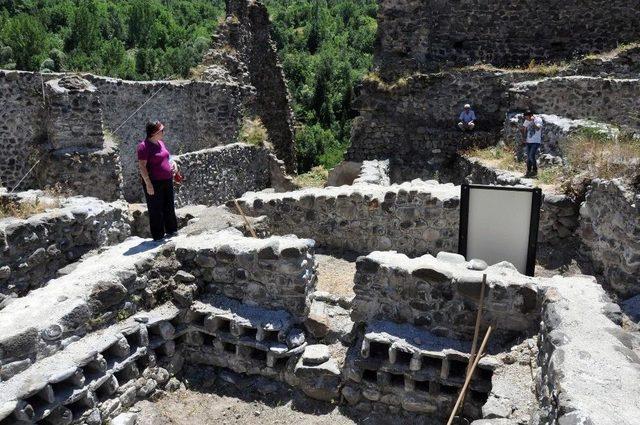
<point>162,213</point>
<point>532,151</point>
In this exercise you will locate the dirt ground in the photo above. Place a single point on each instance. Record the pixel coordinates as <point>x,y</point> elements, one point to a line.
<point>335,275</point>
<point>212,399</point>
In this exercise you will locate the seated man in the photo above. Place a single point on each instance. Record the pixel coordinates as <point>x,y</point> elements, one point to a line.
<point>467,119</point>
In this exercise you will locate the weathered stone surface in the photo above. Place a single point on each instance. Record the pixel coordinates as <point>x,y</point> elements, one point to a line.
<point>425,36</point>
<point>315,354</point>
<point>281,283</point>
<point>35,247</point>
<point>610,230</point>
<point>402,289</point>
<point>414,218</point>
<point>580,345</point>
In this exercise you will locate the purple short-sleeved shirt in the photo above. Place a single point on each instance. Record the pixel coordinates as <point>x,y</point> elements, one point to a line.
<point>157,157</point>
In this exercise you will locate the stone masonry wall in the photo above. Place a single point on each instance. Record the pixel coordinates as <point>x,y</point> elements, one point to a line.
<point>32,250</point>
<point>418,35</point>
<point>214,176</point>
<point>414,121</point>
<point>275,273</point>
<point>610,232</point>
<point>247,30</point>
<point>413,218</point>
<point>441,295</point>
<point>197,115</point>
<point>22,116</point>
<point>587,364</point>
<point>607,100</point>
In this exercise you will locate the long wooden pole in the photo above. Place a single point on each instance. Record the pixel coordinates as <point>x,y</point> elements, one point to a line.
<point>246,221</point>
<point>478,321</point>
<point>476,332</point>
<point>469,375</point>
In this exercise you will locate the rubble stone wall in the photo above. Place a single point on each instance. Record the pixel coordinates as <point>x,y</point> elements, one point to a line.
<point>197,115</point>
<point>414,218</point>
<point>214,176</point>
<point>418,35</point>
<point>441,295</point>
<point>22,116</point>
<point>581,343</point>
<point>275,273</point>
<point>610,232</point>
<point>32,250</point>
<point>414,122</point>
<point>608,100</point>
<point>248,31</point>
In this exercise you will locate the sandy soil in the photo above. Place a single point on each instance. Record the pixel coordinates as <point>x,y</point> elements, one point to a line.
<point>335,275</point>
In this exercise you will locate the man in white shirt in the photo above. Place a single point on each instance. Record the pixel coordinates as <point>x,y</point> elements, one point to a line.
<point>467,119</point>
<point>532,139</point>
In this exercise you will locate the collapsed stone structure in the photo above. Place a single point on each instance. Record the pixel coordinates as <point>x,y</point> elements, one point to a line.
<point>94,318</point>
<point>82,131</point>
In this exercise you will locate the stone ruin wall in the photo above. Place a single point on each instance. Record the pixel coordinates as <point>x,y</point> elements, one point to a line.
<point>197,115</point>
<point>217,175</point>
<point>32,250</point>
<point>220,298</point>
<point>607,100</point>
<point>243,46</point>
<point>426,36</point>
<point>610,233</point>
<point>414,218</point>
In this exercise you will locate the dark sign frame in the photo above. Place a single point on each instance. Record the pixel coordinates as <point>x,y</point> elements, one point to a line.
<point>534,224</point>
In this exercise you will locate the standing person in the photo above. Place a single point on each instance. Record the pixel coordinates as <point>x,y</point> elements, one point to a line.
<point>157,181</point>
<point>467,119</point>
<point>532,139</point>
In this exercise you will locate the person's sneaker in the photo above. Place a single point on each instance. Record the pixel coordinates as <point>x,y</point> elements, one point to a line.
<point>172,234</point>
<point>527,174</point>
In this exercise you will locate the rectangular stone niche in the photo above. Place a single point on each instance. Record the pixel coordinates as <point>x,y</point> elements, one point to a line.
<point>403,366</point>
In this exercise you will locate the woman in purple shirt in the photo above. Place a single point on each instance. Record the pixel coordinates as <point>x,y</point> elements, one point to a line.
<point>157,180</point>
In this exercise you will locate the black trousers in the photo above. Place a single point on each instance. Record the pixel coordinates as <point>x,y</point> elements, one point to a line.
<point>162,213</point>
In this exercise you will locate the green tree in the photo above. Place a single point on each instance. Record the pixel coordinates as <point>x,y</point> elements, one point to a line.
<point>27,38</point>
<point>85,30</point>
<point>141,22</point>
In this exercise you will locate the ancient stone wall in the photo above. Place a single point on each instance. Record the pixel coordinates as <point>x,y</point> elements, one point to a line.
<point>610,231</point>
<point>621,63</point>
<point>392,286</point>
<point>275,273</point>
<point>33,249</point>
<point>197,115</point>
<point>607,100</point>
<point>413,218</point>
<point>244,47</point>
<point>22,116</point>
<point>214,176</point>
<point>414,121</point>
<point>374,172</point>
<point>587,363</point>
<point>418,35</point>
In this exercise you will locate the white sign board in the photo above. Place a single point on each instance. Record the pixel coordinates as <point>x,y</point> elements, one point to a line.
<point>500,223</point>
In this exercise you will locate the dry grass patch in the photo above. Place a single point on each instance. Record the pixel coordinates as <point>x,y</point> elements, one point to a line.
<point>589,154</point>
<point>25,209</point>
<point>317,177</point>
<point>253,132</point>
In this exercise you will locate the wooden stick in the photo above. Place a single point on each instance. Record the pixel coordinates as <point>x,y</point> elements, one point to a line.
<point>469,375</point>
<point>478,321</point>
<point>246,221</point>
<point>476,332</point>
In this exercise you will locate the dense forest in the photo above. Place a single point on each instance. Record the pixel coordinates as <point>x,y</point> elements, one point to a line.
<point>325,46</point>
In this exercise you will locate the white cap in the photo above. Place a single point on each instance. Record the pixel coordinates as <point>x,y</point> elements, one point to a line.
<point>466,105</point>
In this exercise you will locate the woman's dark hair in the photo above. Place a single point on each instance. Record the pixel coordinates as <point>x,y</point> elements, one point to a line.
<point>153,127</point>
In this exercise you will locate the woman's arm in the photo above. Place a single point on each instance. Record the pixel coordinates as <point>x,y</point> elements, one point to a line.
<point>142,165</point>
